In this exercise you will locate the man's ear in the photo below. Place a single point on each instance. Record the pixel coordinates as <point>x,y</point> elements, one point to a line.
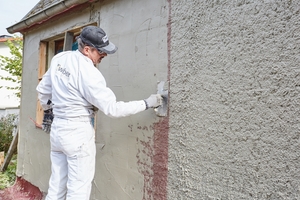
<point>85,50</point>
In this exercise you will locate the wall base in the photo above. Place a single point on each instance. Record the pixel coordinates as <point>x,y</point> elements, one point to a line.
<point>21,190</point>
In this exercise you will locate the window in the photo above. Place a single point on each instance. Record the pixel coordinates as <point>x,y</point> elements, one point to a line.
<point>50,47</point>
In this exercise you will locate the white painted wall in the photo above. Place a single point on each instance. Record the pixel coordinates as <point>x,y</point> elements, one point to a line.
<point>7,111</point>
<point>7,97</point>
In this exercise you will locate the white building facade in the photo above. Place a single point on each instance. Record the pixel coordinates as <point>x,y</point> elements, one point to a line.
<point>7,97</point>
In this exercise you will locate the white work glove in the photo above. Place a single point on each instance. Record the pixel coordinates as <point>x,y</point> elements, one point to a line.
<point>153,101</point>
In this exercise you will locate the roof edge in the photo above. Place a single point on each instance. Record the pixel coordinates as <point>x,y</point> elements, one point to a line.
<point>10,39</point>
<point>45,15</point>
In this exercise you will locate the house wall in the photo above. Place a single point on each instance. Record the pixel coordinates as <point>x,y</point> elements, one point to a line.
<point>7,111</point>
<point>124,166</point>
<point>234,111</point>
<point>4,50</point>
<point>7,97</point>
<point>233,126</point>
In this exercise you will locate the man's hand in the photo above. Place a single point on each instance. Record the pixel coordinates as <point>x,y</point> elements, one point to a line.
<point>153,101</point>
<point>47,121</point>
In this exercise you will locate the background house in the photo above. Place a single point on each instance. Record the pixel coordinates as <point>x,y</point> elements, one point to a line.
<point>9,110</point>
<point>7,97</point>
<point>232,71</point>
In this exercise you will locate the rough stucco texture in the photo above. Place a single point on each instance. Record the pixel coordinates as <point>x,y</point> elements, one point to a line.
<point>234,100</point>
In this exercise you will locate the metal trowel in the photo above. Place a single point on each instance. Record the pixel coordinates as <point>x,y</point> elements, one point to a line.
<point>162,110</point>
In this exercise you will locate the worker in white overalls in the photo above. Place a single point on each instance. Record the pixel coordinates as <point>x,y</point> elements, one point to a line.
<point>72,88</point>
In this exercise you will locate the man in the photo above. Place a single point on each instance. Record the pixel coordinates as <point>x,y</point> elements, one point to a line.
<point>73,87</point>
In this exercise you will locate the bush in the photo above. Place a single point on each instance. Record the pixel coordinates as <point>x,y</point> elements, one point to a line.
<point>8,177</point>
<point>7,126</point>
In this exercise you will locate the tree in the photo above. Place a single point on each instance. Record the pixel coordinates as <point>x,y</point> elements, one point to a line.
<point>13,64</point>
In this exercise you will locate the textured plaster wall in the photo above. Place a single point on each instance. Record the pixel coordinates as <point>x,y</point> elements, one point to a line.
<point>33,144</point>
<point>235,95</point>
<point>127,166</point>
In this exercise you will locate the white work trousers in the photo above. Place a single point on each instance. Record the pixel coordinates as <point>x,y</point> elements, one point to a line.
<point>73,152</point>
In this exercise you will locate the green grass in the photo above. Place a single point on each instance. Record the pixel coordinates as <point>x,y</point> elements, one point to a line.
<point>7,178</point>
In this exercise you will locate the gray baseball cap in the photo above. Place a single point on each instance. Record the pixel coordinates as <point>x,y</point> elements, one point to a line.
<point>96,37</point>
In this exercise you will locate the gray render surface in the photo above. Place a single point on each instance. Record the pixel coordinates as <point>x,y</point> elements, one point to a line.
<point>234,100</point>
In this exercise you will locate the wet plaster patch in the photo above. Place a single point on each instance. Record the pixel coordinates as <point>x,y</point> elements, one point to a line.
<point>153,161</point>
<point>21,190</point>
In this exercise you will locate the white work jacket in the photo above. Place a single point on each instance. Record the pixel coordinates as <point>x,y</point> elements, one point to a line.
<point>74,85</point>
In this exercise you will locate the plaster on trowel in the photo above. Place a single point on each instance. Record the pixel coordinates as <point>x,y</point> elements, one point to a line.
<point>162,110</point>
